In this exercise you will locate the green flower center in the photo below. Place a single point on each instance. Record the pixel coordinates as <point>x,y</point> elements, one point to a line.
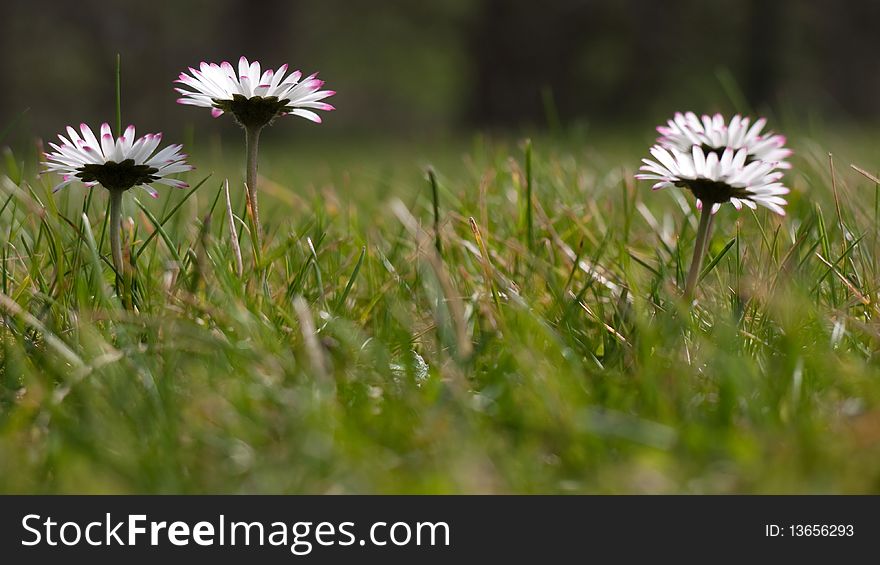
<point>255,111</point>
<point>118,176</point>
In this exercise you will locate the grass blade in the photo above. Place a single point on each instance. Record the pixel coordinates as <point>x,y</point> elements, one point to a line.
<point>715,260</point>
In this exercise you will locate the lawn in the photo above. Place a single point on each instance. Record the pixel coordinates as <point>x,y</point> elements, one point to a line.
<point>394,336</point>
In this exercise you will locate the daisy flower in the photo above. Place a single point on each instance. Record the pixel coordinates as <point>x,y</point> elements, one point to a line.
<point>713,134</point>
<point>254,99</point>
<point>116,164</point>
<point>715,180</point>
<point>718,162</point>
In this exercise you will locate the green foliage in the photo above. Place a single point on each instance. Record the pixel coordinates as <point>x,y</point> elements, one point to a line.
<point>397,337</point>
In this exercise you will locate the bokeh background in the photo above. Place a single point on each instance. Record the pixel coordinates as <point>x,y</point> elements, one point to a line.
<point>428,69</point>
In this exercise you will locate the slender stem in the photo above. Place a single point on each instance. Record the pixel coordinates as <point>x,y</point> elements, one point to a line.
<point>529,228</point>
<point>436,197</point>
<point>123,275</point>
<point>115,231</point>
<point>700,244</point>
<point>252,141</point>
<point>118,95</point>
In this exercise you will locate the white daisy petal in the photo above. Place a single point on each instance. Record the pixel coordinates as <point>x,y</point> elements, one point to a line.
<point>211,85</point>
<point>307,114</point>
<point>687,130</point>
<point>718,161</point>
<point>72,156</point>
<point>89,137</point>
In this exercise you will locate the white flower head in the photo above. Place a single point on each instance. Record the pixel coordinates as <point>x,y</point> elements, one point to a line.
<point>712,133</point>
<point>715,179</point>
<point>255,98</point>
<point>116,164</point>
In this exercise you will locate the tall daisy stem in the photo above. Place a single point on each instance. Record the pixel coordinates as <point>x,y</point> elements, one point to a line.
<point>703,233</point>
<point>252,141</point>
<point>123,275</point>
<point>115,231</point>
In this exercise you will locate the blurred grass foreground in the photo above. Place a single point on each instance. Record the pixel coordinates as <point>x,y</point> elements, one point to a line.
<point>367,351</point>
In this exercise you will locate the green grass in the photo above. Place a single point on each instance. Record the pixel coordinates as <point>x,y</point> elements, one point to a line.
<point>559,355</point>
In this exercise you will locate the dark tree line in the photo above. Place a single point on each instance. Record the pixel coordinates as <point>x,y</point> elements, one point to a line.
<point>400,64</point>
<point>615,59</point>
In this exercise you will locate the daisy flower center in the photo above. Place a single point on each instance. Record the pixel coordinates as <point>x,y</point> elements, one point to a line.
<point>117,176</point>
<point>712,191</point>
<point>255,111</point>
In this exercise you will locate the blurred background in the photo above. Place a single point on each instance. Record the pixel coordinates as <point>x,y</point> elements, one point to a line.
<point>421,70</point>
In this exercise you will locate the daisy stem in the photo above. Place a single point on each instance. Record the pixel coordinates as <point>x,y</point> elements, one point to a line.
<point>700,244</point>
<point>115,230</point>
<point>122,274</point>
<point>252,141</point>
<point>118,95</point>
